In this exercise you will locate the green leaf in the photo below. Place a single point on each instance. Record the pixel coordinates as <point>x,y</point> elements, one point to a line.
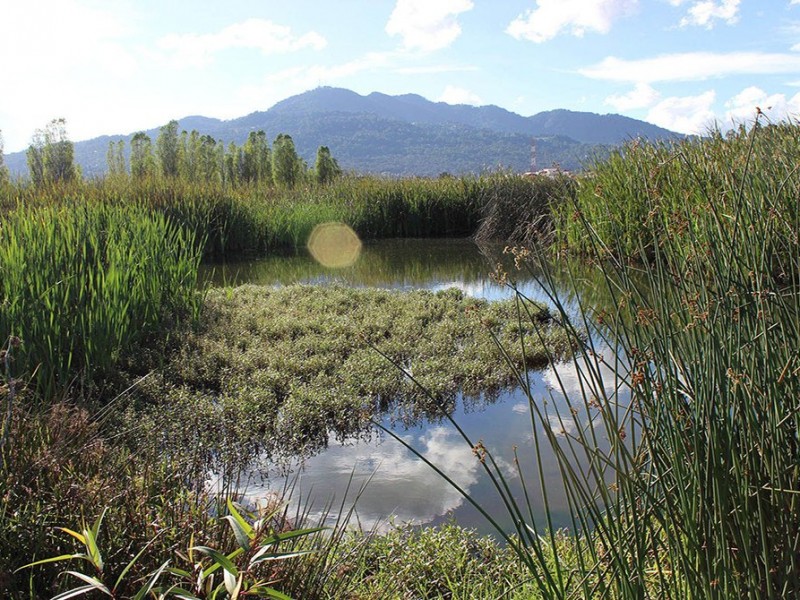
<point>233,584</point>
<point>298,533</point>
<point>240,533</point>
<point>54,559</point>
<point>96,527</point>
<point>246,527</point>
<point>219,559</point>
<point>288,535</point>
<point>177,592</point>
<point>81,538</point>
<point>273,593</point>
<point>145,589</point>
<point>259,557</point>
<point>74,592</point>
<point>94,582</point>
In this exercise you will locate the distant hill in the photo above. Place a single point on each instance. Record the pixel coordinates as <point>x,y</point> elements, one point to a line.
<point>407,134</point>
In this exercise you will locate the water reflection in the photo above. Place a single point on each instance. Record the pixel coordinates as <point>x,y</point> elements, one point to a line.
<point>401,486</point>
<point>403,263</point>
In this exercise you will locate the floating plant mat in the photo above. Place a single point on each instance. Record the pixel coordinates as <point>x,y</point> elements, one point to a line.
<point>279,369</point>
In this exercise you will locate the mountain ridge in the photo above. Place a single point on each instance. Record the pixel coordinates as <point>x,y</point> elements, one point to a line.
<point>407,134</point>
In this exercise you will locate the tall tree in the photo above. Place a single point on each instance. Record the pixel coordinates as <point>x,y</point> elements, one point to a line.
<point>59,152</point>
<point>51,154</point>
<point>115,158</point>
<point>326,168</point>
<point>143,164</point>
<point>167,149</point>
<point>192,153</point>
<point>257,164</point>
<point>207,161</point>
<point>232,164</point>
<point>35,157</point>
<point>287,168</point>
<point>219,160</point>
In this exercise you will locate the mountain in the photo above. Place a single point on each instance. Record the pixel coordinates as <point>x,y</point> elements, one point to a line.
<point>407,134</point>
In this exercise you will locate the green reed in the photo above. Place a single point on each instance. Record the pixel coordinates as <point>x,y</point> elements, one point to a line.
<point>260,218</point>
<point>82,283</point>
<point>679,452</point>
<point>656,191</point>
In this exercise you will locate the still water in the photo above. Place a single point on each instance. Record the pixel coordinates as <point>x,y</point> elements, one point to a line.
<point>397,486</point>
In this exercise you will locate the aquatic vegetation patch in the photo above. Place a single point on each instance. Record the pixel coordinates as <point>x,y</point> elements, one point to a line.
<point>304,361</point>
<point>431,562</point>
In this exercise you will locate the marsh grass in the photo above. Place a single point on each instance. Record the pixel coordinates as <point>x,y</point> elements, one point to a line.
<point>279,369</point>
<point>443,562</point>
<point>84,283</point>
<point>67,467</point>
<point>519,213</point>
<point>688,195</point>
<point>679,453</point>
<point>256,218</point>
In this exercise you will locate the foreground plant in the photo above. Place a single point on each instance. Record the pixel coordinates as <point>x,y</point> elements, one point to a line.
<point>212,574</point>
<point>677,434</point>
<point>242,572</point>
<point>95,579</point>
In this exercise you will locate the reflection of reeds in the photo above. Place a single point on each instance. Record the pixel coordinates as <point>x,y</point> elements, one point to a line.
<point>688,488</point>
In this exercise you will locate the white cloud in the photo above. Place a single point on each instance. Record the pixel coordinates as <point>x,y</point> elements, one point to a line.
<point>427,25</point>
<point>521,408</point>
<point>197,50</point>
<point>551,17</point>
<point>641,96</point>
<point>705,13</point>
<point>742,107</point>
<point>457,95</point>
<point>685,114</point>
<point>433,69</point>
<point>690,66</point>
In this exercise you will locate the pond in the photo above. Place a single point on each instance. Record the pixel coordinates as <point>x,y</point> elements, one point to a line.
<point>397,486</point>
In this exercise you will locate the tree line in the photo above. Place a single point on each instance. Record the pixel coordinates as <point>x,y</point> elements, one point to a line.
<point>197,157</point>
<point>180,155</point>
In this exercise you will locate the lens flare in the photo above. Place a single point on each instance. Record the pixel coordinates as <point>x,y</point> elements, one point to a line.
<point>334,245</point>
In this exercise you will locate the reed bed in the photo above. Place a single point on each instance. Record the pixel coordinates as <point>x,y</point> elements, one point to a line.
<point>645,194</point>
<point>257,218</point>
<point>82,283</point>
<point>679,452</point>
<point>519,212</point>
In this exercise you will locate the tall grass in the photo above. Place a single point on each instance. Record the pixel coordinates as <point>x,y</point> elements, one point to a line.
<point>692,191</point>
<point>680,455</point>
<point>259,218</point>
<point>519,212</point>
<point>82,283</point>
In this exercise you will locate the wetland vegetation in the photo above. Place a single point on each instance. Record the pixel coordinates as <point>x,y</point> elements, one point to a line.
<point>676,442</point>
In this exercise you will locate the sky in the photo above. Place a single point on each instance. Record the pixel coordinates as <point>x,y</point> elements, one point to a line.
<point>120,66</point>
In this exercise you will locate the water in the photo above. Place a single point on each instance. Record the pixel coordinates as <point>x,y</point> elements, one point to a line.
<point>397,485</point>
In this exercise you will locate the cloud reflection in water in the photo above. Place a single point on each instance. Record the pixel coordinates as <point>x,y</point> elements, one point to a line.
<point>401,484</point>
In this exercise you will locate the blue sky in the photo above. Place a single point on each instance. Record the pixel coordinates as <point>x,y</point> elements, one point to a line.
<point>118,66</point>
